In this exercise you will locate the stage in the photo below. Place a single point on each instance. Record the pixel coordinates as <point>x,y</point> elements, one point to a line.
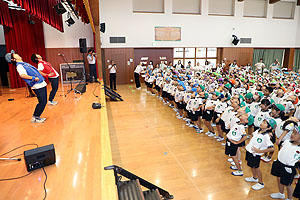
<point>77,132</point>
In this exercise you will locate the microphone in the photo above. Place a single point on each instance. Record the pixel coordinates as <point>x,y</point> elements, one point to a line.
<point>60,54</point>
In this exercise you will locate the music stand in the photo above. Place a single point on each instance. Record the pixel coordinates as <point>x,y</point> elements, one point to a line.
<point>70,75</point>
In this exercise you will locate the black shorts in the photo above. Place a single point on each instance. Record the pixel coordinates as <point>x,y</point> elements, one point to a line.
<point>170,97</point>
<point>164,94</point>
<point>198,113</point>
<point>193,117</point>
<point>179,105</point>
<point>297,190</point>
<point>230,148</point>
<point>150,85</point>
<point>208,115</point>
<point>184,106</point>
<point>157,88</point>
<point>284,172</point>
<point>252,161</point>
<point>216,116</point>
<point>223,127</point>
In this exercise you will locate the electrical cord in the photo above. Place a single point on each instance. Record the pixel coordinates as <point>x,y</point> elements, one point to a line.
<point>95,90</point>
<point>14,178</point>
<point>18,148</point>
<point>45,184</point>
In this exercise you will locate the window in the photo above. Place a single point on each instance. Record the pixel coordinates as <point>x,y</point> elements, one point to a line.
<point>195,55</point>
<point>189,53</point>
<point>255,8</point>
<point>221,7</point>
<point>284,10</point>
<point>153,6</point>
<point>187,6</point>
<point>201,52</point>
<point>178,52</point>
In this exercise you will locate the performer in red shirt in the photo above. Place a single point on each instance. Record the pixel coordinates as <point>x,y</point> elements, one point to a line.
<point>47,70</point>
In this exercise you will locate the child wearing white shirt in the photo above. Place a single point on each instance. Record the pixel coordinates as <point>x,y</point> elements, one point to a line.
<point>260,143</point>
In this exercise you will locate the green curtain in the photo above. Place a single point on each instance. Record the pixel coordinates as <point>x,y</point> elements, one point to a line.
<point>297,60</point>
<point>268,56</point>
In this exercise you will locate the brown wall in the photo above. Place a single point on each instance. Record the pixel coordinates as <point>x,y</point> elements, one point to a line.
<point>121,56</point>
<point>242,55</point>
<point>153,54</point>
<point>70,55</point>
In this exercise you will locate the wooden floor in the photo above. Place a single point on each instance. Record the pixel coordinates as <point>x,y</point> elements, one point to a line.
<point>148,140</point>
<point>74,129</point>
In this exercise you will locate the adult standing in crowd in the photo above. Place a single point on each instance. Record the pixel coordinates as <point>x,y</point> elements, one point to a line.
<point>139,68</point>
<point>34,79</point>
<point>91,57</point>
<point>275,65</point>
<point>178,66</point>
<point>47,70</point>
<point>259,66</point>
<point>112,75</point>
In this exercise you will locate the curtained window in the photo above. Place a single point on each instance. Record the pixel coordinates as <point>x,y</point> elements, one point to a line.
<point>297,60</point>
<point>268,56</point>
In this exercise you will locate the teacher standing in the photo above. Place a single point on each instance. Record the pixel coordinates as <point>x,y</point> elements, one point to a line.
<point>112,75</point>
<point>91,57</point>
<point>137,71</point>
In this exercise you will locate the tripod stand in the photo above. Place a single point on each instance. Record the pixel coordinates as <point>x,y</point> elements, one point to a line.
<point>69,74</point>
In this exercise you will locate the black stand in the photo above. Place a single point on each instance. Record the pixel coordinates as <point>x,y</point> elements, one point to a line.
<point>71,89</point>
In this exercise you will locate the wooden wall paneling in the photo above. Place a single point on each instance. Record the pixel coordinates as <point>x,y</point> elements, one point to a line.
<point>121,56</point>
<point>289,55</point>
<point>70,54</point>
<point>219,55</point>
<point>241,55</point>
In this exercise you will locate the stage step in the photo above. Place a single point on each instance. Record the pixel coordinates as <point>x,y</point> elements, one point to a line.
<point>152,195</point>
<point>130,190</point>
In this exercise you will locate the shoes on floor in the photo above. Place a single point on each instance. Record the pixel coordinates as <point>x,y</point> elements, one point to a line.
<point>237,173</point>
<point>213,124</point>
<point>277,195</point>
<point>211,135</point>
<point>37,120</point>
<point>267,159</point>
<point>53,103</point>
<point>233,167</point>
<point>230,160</point>
<point>220,139</point>
<point>258,186</point>
<point>251,179</point>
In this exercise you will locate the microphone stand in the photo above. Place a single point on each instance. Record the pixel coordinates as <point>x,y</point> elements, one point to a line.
<point>71,89</point>
<point>18,159</point>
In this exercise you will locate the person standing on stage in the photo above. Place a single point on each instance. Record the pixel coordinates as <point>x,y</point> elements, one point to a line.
<point>91,57</point>
<point>112,75</point>
<point>47,70</point>
<point>35,80</point>
<point>139,68</point>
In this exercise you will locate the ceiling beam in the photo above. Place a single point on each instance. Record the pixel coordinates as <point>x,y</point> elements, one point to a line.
<point>273,1</point>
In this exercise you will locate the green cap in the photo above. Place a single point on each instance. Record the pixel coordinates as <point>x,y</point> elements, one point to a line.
<point>272,101</point>
<point>217,93</point>
<point>241,97</point>
<point>242,79</point>
<point>202,88</point>
<point>249,95</point>
<point>280,107</point>
<point>250,120</point>
<point>272,123</point>
<point>247,110</point>
<point>260,94</point>
<point>252,81</point>
<point>228,86</point>
<point>206,95</point>
<point>243,104</point>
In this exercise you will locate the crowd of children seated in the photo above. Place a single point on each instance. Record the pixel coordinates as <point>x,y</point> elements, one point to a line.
<point>239,108</point>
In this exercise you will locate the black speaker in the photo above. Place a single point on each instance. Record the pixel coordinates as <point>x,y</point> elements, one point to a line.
<point>60,9</point>
<point>39,157</point>
<point>102,27</point>
<point>80,88</point>
<point>82,45</point>
<point>235,40</point>
<point>96,106</point>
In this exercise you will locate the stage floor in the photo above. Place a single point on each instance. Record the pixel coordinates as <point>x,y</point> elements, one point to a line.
<point>74,129</point>
<point>148,140</point>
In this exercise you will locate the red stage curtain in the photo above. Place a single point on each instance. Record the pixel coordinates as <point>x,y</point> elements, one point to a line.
<point>25,39</point>
<point>5,18</point>
<point>43,10</point>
